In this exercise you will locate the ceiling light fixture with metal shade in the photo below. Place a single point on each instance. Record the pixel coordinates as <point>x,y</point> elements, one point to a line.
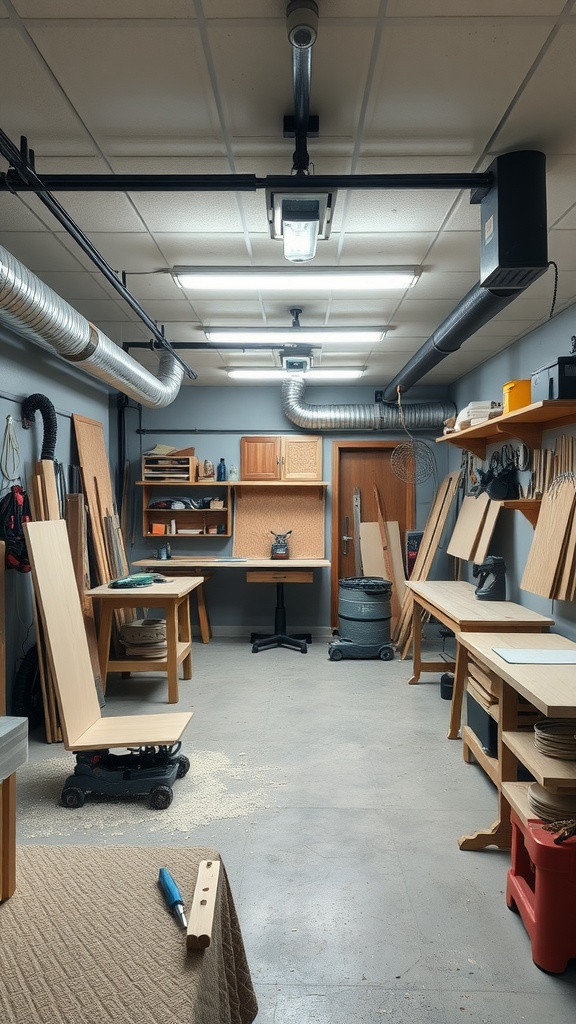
<point>278,279</point>
<point>299,219</point>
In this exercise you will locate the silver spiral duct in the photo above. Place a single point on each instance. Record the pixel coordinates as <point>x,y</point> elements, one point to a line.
<point>417,416</point>
<point>34,311</point>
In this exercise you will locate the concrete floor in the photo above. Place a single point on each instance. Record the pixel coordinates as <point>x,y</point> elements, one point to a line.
<point>355,902</point>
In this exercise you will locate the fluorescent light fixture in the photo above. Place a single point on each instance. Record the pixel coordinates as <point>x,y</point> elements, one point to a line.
<point>336,374</point>
<point>278,279</point>
<point>310,375</point>
<point>299,218</point>
<point>312,337</point>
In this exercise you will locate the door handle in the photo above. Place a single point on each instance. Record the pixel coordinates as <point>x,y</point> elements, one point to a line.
<point>345,536</point>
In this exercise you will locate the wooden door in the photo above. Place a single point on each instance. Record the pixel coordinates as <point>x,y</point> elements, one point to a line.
<point>259,458</point>
<point>363,465</point>
<point>301,458</point>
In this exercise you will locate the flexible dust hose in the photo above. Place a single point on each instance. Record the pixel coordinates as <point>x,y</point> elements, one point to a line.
<point>43,405</point>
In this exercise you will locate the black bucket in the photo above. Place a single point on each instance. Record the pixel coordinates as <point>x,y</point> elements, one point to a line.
<point>364,609</point>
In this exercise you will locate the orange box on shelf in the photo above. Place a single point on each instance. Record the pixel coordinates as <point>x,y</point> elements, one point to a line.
<point>516,394</point>
<point>157,529</point>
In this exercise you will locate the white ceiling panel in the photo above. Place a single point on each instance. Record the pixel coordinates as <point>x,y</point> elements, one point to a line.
<point>121,87</point>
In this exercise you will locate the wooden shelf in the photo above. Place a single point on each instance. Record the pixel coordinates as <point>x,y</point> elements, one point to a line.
<point>548,771</point>
<point>186,517</point>
<point>516,793</point>
<point>529,507</point>
<point>488,763</point>
<point>279,483</point>
<point>524,424</point>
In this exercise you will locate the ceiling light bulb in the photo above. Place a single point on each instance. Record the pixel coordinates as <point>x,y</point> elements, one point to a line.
<point>300,238</point>
<point>311,336</point>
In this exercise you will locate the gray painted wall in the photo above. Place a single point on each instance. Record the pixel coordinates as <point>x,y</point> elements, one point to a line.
<point>214,420</point>
<point>513,534</point>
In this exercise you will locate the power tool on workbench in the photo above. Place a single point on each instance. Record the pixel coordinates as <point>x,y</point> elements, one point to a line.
<point>491,574</point>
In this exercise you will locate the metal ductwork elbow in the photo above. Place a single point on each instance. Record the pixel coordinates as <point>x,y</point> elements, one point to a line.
<point>34,311</point>
<point>425,416</point>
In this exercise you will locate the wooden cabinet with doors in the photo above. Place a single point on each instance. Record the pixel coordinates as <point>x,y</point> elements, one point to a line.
<point>290,457</point>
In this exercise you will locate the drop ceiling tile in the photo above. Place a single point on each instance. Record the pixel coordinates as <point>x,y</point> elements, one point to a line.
<point>419,62</point>
<point>33,103</point>
<point>169,312</point>
<point>397,211</point>
<point>379,249</point>
<point>188,211</point>
<point>472,8</point>
<point>104,9</point>
<point>38,251</point>
<point>75,286</point>
<point>163,94</point>
<point>455,251</point>
<point>101,211</point>
<point>452,285</point>
<point>16,214</point>
<point>543,115</point>
<point>182,248</point>
<point>464,217</point>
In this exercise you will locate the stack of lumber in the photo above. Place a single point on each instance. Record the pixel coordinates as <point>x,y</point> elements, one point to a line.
<point>547,464</point>
<point>551,564</point>
<point>429,544</point>
<point>473,529</point>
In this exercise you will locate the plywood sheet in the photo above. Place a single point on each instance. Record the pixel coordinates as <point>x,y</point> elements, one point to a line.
<point>486,531</point>
<point>468,526</point>
<point>261,511</point>
<point>373,562</point>
<point>395,542</point>
<point>545,558</point>
<point>97,486</point>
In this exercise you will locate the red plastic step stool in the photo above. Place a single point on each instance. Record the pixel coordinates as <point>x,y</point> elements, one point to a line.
<point>541,885</point>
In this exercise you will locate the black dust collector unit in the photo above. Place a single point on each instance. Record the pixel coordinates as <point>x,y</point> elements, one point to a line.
<point>514,229</point>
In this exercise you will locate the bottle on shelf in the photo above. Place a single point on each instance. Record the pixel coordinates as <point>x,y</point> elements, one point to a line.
<point>221,470</point>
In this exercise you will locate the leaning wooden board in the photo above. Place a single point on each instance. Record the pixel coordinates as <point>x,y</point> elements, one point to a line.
<point>468,527</point>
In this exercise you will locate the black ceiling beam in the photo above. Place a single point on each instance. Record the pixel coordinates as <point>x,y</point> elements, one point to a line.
<point>13,181</point>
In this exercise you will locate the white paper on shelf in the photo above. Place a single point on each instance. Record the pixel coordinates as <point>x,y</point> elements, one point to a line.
<point>535,657</point>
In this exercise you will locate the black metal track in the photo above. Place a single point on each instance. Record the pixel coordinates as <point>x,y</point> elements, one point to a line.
<point>12,181</point>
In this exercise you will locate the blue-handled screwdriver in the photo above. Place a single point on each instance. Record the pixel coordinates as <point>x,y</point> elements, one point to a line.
<point>172,895</point>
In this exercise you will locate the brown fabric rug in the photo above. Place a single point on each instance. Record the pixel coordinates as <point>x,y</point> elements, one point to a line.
<point>87,939</point>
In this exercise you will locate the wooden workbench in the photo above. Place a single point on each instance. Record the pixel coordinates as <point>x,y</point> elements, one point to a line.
<point>173,597</point>
<point>190,565</point>
<point>453,603</point>
<point>551,690</point>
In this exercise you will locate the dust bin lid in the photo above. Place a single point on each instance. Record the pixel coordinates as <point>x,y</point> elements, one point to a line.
<point>369,584</point>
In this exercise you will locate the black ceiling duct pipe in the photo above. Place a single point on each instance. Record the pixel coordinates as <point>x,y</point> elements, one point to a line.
<point>513,254</point>
<point>478,307</point>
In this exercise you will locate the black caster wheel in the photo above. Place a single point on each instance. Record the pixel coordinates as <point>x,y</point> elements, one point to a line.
<point>386,654</point>
<point>72,797</point>
<point>160,797</point>
<point>183,766</point>
<point>335,655</point>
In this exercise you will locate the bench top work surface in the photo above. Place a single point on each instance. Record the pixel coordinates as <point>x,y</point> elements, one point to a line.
<point>173,588</point>
<point>189,561</point>
<point>551,688</point>
<point>455,599</point>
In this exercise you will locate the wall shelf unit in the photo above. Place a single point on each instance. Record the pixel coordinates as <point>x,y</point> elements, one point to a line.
<point>190,522</point>
<point>524,424</point>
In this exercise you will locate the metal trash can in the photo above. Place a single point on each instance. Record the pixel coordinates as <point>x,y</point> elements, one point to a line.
<point>364,610</point>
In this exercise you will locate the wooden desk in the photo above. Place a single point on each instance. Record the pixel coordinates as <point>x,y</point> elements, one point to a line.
<point>13,753</point>
<point>191,566</point>
<point>454,604</point>
<point>551,689</point>
<point>172,596</point>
